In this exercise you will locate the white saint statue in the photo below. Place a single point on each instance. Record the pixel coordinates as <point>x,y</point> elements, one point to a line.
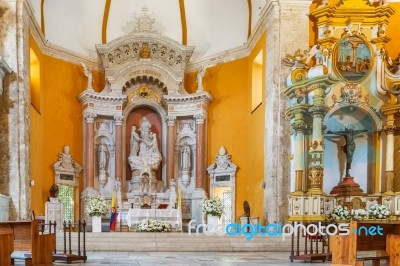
<point>185,157</point>
<point>200,75</point>
<point>146,184</point>
<point>145,127</point>
<point>154,144</point>
<point>88,73</point>
<point>134,142</point>
<point>103,156</point>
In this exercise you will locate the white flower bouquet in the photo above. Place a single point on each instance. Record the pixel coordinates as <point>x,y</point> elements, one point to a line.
<point>378,211</point>
<point>154,225</point>
<point>213,207</point>
<point>358,214</point>
<point>97,206</point>
<point>340,213</point>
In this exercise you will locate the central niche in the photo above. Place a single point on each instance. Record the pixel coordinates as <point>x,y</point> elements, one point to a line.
<point>145,138</point>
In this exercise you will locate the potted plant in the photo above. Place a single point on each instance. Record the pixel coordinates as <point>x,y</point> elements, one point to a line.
<point>96,206</point>
<point>214,209</point>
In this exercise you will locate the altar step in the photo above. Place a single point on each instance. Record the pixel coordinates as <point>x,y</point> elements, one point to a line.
<point>174,241</point>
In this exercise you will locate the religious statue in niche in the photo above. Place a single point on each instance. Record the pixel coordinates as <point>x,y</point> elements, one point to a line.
<point>353,58</point>
<point>350,145</point>
<point>103,158</point>
<point>144,157</point>
<point>185,163</point>
<point>134,142</point>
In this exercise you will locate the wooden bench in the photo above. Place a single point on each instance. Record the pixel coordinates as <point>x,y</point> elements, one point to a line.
<point>345,247</point>
<point>7,247</point>
<point>393,249</point>
<point>38,248</point>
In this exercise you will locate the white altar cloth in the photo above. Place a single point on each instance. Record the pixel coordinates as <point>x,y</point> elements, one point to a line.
<point>173,216</point>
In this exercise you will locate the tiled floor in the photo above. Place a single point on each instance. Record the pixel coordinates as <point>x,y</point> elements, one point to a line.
<point>188,258</point>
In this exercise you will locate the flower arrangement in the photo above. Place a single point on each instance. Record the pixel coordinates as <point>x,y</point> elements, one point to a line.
<point>358,214</point>
<point>340,213</point>
<point>154,225</point>
<point>378,211</point>
<point>213,207</point>
<point>97,206</point>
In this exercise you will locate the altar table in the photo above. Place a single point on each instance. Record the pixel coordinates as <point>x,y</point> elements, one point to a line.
<point>173,216</point>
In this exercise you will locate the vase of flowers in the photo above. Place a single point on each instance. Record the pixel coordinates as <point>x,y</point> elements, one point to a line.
<point>96,206</point>
<point>378,211</point>
<point>154,225</point>
<point>214,209</point>
<point>340,213</point>
<point>358,214</point>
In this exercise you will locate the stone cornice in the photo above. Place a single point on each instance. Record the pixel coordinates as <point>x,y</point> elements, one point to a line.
<point>310,84</point>
<point>203,97</point>
<point>91,96</point>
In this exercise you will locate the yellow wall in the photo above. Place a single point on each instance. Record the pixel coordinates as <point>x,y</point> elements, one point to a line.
<point>60,121</point>
<point>231,124</point>
<point>392,32</point>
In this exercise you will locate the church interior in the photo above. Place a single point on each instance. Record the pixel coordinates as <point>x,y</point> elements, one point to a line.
<point>282,109</point>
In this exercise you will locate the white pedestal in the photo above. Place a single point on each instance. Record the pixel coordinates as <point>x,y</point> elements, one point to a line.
<point>96,224</point>
<point>212,223</point>
<point>55,213</point>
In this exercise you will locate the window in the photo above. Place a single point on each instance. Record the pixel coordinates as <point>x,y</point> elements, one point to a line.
<point>257,81</point>
<point>66,197</point>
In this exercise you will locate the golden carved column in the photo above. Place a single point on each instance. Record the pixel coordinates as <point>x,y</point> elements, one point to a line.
<point>119,119</point>
<point>89,117</point>
<point>389,169</point>
<point>171,121</point>
<point>200,152</point>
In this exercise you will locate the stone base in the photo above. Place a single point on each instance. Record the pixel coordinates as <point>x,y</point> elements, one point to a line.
<point>348,187</point>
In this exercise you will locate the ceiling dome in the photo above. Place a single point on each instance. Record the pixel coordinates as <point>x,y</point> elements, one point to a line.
<point>210,26</point>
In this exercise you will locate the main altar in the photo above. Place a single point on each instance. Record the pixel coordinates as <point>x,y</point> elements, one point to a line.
<point>144,135</point>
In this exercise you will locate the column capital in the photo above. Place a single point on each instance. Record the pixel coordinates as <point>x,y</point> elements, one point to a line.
<point>319,111</point>
<point>4,69</point>
<point>89,117</point>
<point>119,119</point>
<point>171,119</point>
<point>299,126</point>
<point>390,129</point>
<point>200,118</point>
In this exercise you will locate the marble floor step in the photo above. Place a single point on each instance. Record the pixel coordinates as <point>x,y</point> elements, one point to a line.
<point>131,241</point>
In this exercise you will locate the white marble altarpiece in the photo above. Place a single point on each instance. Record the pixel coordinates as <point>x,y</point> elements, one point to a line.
<point>145,70</point>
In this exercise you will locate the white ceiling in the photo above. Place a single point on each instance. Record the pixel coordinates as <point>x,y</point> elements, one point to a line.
<point>213,26</point>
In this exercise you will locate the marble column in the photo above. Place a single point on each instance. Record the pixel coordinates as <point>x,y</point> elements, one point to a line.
<point>200,152</point>
<point>171,122</point>
<point>299,127</point>
<point>390,128</point>
<point>318,111</point>
<point>284,22</point>
<point>15,109</point>
<point>119,119</point>
<point>89,117</point>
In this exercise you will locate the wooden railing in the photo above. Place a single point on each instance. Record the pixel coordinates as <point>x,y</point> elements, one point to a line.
<point>316,246</point>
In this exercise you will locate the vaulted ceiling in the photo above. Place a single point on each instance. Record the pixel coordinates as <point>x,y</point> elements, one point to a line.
<point>212,26</point>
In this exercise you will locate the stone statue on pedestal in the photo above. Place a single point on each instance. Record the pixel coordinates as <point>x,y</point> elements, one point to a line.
<point>185,157</point>
<point>134,143</point>
<point>65,160</point>
<point>103,157</point>
<point>349,146</point>
<point>144,158</point>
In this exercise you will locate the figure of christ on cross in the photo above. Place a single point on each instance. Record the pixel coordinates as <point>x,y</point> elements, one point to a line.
<point>350,144</point>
